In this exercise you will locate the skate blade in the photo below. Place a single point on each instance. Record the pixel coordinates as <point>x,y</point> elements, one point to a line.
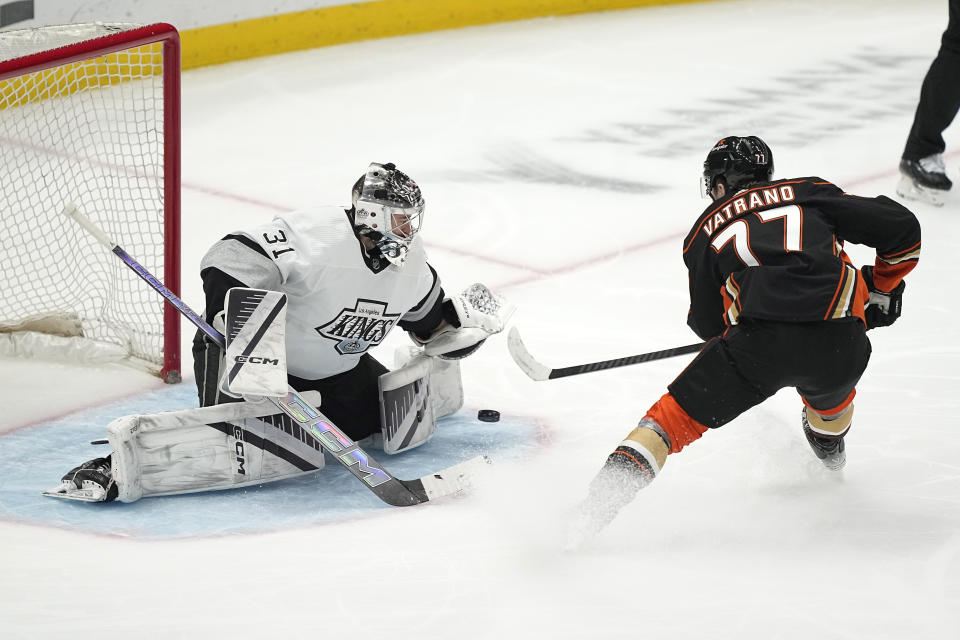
<point>69,492</point>
<point>908,189</point>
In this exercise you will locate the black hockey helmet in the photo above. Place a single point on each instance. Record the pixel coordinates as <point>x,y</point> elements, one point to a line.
<point>739,161</point>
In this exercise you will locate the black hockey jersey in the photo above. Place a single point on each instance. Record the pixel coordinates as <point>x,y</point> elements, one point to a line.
<point>775,251</point>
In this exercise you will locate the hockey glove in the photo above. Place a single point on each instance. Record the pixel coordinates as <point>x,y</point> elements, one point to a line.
<point>883,308</point>
<point>471,317</point>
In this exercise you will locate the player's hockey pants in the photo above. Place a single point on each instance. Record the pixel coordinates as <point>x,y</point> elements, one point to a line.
<point>757,358</point>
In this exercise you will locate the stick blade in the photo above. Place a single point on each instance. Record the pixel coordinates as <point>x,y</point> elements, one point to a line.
<point>453,479</point>
<point>520,355</point>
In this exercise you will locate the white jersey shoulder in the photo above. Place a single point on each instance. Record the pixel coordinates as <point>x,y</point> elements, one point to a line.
<point>341,302</point>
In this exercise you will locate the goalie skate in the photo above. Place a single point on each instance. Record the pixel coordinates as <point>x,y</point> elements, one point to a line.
<point>69,491</point>
<point>90,482</point>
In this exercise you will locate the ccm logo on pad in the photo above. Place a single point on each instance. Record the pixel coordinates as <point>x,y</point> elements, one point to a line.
<point>257,360</point>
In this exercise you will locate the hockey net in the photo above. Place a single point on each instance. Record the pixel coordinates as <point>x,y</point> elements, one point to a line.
<point>89,114</point>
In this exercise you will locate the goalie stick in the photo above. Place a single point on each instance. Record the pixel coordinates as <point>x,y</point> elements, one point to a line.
<point>393,491</point>
<point>538,371</point>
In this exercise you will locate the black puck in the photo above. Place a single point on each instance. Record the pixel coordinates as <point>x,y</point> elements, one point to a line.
<point>488,415</point>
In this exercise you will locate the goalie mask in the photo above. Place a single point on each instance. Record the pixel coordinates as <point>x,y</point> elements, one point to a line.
<point>739,161</point>
<point>388,209</point>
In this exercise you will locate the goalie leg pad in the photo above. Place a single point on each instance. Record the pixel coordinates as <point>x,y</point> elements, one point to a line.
<point>446,384</point>
<point>446,387</point>
<point>218,447</point>
<point>407,417</point>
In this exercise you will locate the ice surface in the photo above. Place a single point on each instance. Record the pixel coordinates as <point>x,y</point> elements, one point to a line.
<point>559,159</point>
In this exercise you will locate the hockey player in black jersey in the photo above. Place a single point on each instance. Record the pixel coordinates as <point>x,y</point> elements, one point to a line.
<point>780,305</point>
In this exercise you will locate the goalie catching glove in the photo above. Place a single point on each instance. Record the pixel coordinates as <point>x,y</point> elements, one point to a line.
<point>469,318</point>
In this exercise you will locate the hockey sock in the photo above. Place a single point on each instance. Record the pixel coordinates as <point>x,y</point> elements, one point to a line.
<point>644,450</point>
<point>827,424</point>
<point>678,428</point>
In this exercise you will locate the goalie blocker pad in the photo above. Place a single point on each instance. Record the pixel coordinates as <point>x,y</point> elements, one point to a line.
<point>255,362</point>
<point>218,447</point>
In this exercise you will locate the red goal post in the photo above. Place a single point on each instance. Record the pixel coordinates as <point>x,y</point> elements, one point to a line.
<point>90,114</point>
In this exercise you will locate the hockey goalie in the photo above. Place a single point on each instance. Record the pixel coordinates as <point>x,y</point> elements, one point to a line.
<point>300,301</point>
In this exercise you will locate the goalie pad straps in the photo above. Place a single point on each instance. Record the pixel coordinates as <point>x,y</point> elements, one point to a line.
<point>256,359</point>
<point>218,447</point>
<point>407,418</point>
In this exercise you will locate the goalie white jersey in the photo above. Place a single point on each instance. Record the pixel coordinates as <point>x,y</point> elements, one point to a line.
<point>342,301</point>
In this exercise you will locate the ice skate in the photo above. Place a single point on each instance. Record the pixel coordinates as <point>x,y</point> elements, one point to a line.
<point>831,451</point>
<point>90,482</point>
<point>924,180</point>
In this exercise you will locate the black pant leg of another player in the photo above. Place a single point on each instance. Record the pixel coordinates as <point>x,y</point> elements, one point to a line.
<point>939,94</point>
<point>350,399</point>
<point>206,371</point>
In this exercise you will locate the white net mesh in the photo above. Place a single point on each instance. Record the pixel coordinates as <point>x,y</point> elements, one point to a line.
<point>89,132</point>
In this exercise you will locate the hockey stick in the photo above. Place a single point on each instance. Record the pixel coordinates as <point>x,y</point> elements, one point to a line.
<point>539,371</point>
<point>393,491</point>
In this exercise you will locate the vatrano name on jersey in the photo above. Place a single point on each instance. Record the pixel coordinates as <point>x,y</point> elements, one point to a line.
<point>772,196</point>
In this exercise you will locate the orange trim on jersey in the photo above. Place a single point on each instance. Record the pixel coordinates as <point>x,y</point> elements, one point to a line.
<point>854,290</point>
<point>834,411</point>
<point>893,256</point>
<point>887,277</point>
<point>890,269</point>
<point>860,298</point>
<point>840,288</point>
<point>730,295</point>
<point>675,422</point>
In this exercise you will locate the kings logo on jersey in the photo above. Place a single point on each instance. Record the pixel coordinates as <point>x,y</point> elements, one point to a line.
<point>356,330</point>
